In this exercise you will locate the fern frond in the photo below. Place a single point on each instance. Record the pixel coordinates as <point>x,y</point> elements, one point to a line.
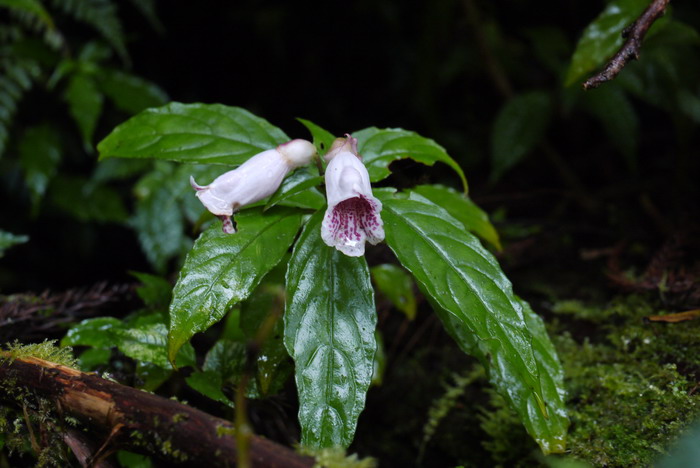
<point>31,8</point>
<point>35,18</point>
<point>101,15</point>
<point>17,76</point>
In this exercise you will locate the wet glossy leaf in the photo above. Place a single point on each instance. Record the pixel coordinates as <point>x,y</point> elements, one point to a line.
<point>148,342</point>
<point>380,147</point>
<point>472,296</point>
<point>223,269</point>
<point>322,139</point>
<point>85,104</point>
<point>463,210</point>
<point>602,38</point>
<point>329,332</point>
<point>396,285</point>
<point>203,133</point>
<point>550,433</point>
<point>519,126</point>
<point>97,332</point>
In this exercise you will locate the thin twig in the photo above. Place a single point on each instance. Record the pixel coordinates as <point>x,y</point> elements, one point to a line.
<point>634,34</point>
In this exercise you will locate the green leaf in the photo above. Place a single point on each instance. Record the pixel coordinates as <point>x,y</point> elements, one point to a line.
<point>602,37</point>
<point>379,367</point>
<point>7,240</point>
<point>463,210</point>
<point>322,139</point>
<point>397,286</point>
<point>155,292</point>
<point>96,332</point>
<point>203,133</point>
<point>85,104</point>
<point>223,269</point>
<point>129,92</point>
<point>159,223</point>
<point>302,181</point>
<point>380,147</point>
<point>227,359</point>
<point>685,451</point>
<point>550,433</point>
<point>91,358</point>
<point>133,460</point>
<point>260,320</point>
<point>519,126</point>
<point>148,342</point>
<point>39,156</point>
<point>474,300</point>
<point>85,201</point>
<point>329,332</point>
<point>209,383</point>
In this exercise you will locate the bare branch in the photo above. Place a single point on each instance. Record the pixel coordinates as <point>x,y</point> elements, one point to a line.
<point>634,34</point>
<point>122,417</point>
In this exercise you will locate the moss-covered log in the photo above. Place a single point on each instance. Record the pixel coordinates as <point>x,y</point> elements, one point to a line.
<point>125,418</point>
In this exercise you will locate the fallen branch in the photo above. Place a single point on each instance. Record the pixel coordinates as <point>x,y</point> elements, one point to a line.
<point>634,34</point>
<point>122,417</point>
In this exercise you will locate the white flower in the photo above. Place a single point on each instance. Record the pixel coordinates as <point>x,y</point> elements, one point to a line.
<point>352,216</point>
<point>257,178</point>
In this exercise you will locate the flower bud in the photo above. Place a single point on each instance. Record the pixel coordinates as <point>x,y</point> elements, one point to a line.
<point>257,178</point>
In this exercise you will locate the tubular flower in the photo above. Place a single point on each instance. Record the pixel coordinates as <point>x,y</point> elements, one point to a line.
<point>352,216</point>
<point>257,178</point>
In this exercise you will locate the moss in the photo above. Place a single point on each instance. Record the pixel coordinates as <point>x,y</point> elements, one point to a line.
<point>47,350</point>
<point>507,441</point>
<point>179,417</point>
<point>629,384</point>
<point>336,458</point>
<point>224,431</point>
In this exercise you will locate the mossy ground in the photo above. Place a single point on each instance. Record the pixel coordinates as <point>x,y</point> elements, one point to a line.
<point>632,389</point>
